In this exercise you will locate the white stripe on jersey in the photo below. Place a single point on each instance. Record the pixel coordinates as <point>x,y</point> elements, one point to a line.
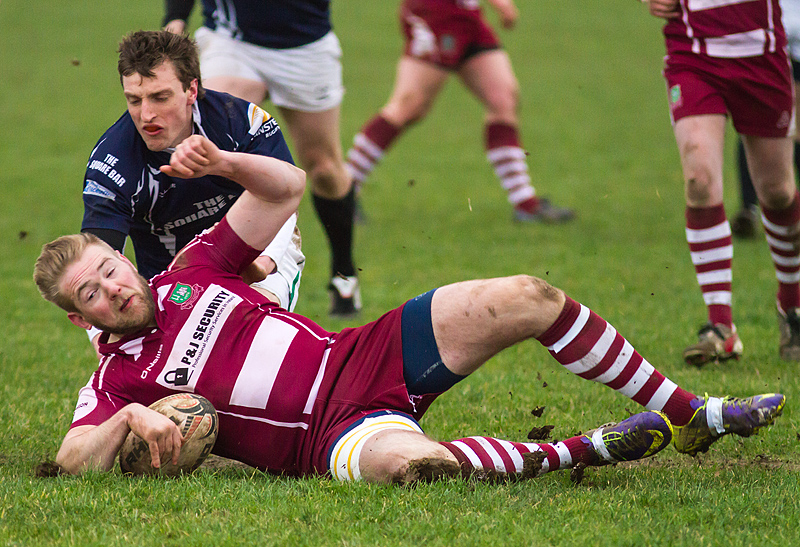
<point>196,339</point>
<point>301,425</point>
<point>312,395</point>
<point>262,364</point>
<point>699,5</point>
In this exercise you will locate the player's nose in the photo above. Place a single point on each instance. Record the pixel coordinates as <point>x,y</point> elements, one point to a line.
<point>112,289</point>
<point>148,113</point>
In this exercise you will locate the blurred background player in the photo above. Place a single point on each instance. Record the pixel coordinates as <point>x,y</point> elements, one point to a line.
<point>745,223</point>
<point>124,193</point>
<point>730,59</point>
<point>451,36</point>
<point>287,52</point>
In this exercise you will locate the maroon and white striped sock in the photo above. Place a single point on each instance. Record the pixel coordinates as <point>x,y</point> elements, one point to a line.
<point>369,146</point>
<point>781,228</point>
<point>708,233</point>
<point>586,345</point>
<point>509,161</point>
<point>496,455</point>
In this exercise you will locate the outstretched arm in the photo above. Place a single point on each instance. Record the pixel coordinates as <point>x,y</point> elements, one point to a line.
<point>96,446</point>
<point>273,187</point>
<point>507,11</point>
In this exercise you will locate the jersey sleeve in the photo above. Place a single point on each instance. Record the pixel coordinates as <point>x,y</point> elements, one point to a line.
<point>266,135</point>
<point>95,405</point>
<point>109,182</point>
<point>220,248</point>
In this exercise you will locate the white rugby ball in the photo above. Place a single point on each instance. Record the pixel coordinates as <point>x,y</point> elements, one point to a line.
<point>197,420</point>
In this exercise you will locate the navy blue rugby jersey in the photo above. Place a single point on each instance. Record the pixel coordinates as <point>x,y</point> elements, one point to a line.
<point>274,24</point>
<point>124,190</point>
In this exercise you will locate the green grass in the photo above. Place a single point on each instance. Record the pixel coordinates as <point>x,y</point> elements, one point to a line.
<point>595,122</point>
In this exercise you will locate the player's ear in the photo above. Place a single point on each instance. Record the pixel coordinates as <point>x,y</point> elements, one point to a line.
<point>78,320</point>
<point>192,92</point>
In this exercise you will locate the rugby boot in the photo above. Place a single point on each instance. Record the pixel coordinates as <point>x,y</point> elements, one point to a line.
<point>715,417</point>
<point>715,343</point>
<point>544,212</point>
<point>345,296</point>
<point>634,438</point>
<point>789,324</point>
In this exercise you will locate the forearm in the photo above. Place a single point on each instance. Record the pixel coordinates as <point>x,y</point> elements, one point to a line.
<point>267,178</point>
<point>507,11</point>
<point>88,447</point>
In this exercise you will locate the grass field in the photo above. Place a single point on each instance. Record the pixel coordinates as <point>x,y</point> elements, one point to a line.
<point>595,122</point>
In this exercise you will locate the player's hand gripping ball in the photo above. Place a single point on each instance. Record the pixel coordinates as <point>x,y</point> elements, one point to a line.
<point>197,420</point>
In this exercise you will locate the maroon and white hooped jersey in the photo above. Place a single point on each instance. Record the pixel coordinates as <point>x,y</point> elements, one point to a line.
<point>262,367</point>
<point>726,28</point>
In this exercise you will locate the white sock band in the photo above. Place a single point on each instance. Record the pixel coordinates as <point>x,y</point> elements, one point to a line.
<point>600,446</point>
<point>714,415</point>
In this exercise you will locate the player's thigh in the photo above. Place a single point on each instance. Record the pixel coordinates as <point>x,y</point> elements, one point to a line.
<point>417,84</point>
<point>315,135</point>
<point>771,165</point>
<point>490,77</point>
<point>318,149</point>
<point>249,90</point>
<point>474,320</point>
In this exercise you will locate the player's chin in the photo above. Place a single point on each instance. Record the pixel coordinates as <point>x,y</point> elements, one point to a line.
<point>154,143</point>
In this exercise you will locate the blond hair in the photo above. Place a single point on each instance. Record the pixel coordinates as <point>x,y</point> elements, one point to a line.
<point>54,260</point>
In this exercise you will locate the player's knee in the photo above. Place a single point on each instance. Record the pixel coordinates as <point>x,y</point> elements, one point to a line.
<point>387,456</point>
<point>407,109</point>
<point>502,104</point>
<point>536,290</point>
<point>328,177</point>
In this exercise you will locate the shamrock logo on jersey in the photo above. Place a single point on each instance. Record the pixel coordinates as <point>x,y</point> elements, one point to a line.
<point>181,293</point>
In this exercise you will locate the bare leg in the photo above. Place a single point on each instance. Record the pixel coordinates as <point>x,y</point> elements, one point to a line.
<point>416,86</point>
<point>700,144</point>
<point>316,140</point>
<point>490,77</point>
<point>474,320</point>
<point>249,90</point>
<point>771,168</point>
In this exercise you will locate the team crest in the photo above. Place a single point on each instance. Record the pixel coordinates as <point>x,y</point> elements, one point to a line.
<point>448,43</point>
<point>675,98</point>
<point>185,295</point>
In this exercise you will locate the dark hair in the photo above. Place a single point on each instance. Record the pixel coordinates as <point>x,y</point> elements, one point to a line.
<point>143,51</point>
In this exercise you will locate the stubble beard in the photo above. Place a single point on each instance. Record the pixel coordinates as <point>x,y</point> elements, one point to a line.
<point>145,314</point>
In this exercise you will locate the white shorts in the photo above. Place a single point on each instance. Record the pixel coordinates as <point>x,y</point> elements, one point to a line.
<point>285,251</point>
<point>306,78</point>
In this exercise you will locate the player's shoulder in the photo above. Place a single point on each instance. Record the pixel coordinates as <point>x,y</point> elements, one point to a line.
<point>119,155</point>
<point>120,139</point>
<point>239,118</point>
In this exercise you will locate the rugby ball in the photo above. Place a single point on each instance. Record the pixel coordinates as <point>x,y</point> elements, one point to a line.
<point>195,416</point>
